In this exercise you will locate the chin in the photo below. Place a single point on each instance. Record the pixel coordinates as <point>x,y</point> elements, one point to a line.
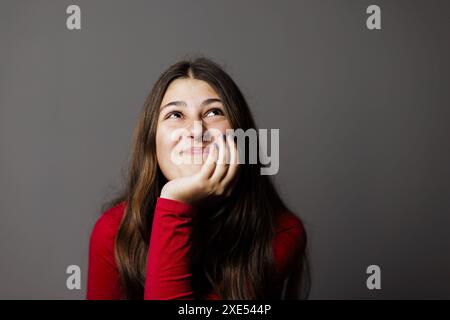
<point>190,169</point>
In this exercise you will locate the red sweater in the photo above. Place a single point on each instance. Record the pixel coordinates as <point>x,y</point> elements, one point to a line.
<point>168,274</point>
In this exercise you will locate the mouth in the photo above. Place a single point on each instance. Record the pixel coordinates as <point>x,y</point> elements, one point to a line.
<point>195,150</point>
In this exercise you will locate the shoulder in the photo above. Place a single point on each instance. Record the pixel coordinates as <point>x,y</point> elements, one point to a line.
<point>289,242</point>
<point>288,226</point>
<point>105,229</point>
<point>110,219</point>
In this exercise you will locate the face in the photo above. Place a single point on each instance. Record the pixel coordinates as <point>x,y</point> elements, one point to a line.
<point>189,109</point>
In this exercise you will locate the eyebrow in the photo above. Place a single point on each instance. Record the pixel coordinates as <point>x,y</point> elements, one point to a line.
<point>183,104</point>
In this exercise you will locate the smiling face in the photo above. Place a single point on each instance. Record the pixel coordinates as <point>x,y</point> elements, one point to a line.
<point>188,109</point>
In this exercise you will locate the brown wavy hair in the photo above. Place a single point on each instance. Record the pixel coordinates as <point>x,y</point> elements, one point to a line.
<point>232,240</point>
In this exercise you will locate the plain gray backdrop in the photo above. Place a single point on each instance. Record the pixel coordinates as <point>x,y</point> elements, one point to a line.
<point>363,118</point>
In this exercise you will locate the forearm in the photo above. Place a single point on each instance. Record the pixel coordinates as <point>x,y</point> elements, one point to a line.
<point>169,274</point>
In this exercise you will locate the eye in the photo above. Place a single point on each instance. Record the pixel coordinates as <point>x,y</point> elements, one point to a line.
<point>214,111</point>
<point>174,115</point>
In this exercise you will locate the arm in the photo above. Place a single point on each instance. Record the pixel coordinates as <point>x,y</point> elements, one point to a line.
<point>168,274</point>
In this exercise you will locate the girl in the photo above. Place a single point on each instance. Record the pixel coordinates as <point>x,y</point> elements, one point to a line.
<point>209,229</point>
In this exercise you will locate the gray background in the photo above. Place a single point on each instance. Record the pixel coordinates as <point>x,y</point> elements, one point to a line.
<point>363,118</point>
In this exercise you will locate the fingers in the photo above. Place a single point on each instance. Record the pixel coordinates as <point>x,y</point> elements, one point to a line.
<point>234,163</point>
<point>210,164</point>
<point>221,165</point>
<point>222,162</point>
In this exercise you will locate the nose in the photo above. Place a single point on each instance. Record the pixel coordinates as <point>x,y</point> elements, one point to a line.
<point>196,130</point>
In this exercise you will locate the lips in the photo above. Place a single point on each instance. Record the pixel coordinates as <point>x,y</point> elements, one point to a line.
<point>195,150</point>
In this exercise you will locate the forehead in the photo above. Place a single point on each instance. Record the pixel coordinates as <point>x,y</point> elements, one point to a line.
<point>189,90</point>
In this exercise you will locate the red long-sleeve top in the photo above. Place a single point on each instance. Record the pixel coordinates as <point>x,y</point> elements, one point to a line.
<point>168,274</point>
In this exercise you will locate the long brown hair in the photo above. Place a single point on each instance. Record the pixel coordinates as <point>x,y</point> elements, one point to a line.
<point>232,241</point>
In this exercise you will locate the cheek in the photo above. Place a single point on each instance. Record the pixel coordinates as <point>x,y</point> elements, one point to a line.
<point>164,143</point>
<point>225,126</point>
<point>164,146</point>
<point>218,129</point>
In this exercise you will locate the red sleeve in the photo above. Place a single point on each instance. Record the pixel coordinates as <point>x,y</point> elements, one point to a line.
<point>289,248</point>
<point>289,245</point>
<point>103,277</point>
<point>168,274</point>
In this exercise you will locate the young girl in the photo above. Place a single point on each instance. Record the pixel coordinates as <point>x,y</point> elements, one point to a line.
<point>209,229</point>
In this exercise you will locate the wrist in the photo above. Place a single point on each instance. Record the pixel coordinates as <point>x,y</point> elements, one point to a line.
<point>170,196</point>
<point>174,207</point>
<point>165,194</point>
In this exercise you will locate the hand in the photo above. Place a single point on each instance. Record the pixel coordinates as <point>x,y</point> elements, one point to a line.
<point>214,180</point>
